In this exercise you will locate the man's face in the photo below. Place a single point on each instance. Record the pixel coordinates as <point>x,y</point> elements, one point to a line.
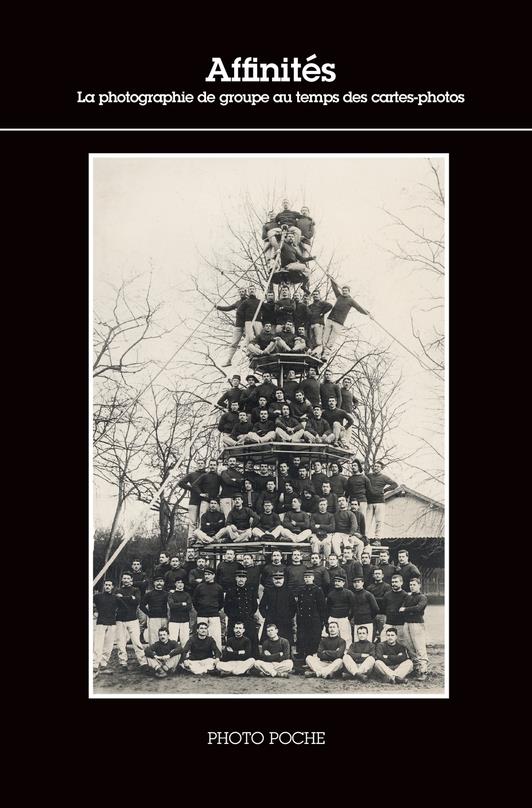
<point>212,465</point>
<point>174,563</point>
<point>163,635</point>
<point>278,582</point>
<point>270,297</point>
<point>213,505</point>
<point>202,631</point>
<point>247,560</point>
<point>378,576</point>
<point>263,416</point>
<point>271,631</point>
<point>303,472</point>
<point>276,557</point>
<point>229,555</point>
<point>242,293</point>
<point>286,204</point>
<point>358,584</point>
<point>326,488</point>
<point>333,560</point>
<point>158,584</point>
<point>315,559</point>
<point>285,410</point>
<point>247,486</point>
<point>240,581</point>
<point>332,403</point>
<point>300,397</point>
<point>239,502</point>
<point>316,295</point>
<point>333,628</point>
<point>136,566</point>
<point>296,556</point>
<point>317,464</point>
<point>127,580</point>
<point>403,558</point>
<point>234,406</point>
<point>262,404</point>
<point>231,463</point>
<point>235,381</point>
<point>365,558</point>
<point>354,505</point>
<point>362,633</point>
<point>251,290</point>
<point>267,378</point>
<point>298,294</point>
<point>305,211</point>
<point>301,331</point>
<point>345,291</point>
<point>377,468</point>
<point>179,584</point>
<point>209,576</point>
<point>384,557</point>
<point>322,507</point>
<point>296,504</point>
<point>191,555</point>
<point>268,506</point>
<point>291,375</point>
<point>279,395</point>
<point>346,382</point>
<point>328,376</point>
<point>342,503</point>
<point>284,292</point>
<point>270,486</point>
<point>348,553</point>
<point>396,583</point>
<point>201,563</point>
<point>263,469</point>
<point>312,373</point>
<point>415,585</point>
<point>267,328</point>
<point>391,637</point>
<point>239,628</point>
<point>296,460</point>
<point>335,468</point>
<point>163,558</point>
<point>308,579</point>
<point>283,468</point>
<point>108,586</point>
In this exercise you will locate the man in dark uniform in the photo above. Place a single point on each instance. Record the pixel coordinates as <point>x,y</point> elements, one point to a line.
<point>311,615</point>
<point>240,606</point>
<point>194,502</point>
<point>278,606</point>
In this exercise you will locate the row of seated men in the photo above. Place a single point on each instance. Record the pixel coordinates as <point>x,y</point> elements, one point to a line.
<point>301,599</point>
<point>322,322</point>
<point>298,503</point>
<point>299,412</point>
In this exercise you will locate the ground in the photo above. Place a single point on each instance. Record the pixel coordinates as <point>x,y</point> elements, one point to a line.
<point>136,681</point>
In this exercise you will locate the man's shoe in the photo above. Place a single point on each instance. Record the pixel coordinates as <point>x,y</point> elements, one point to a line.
<point>362,677</point>
<point>160,674</point>
<point>401,680</point>
<point>310,675</point>
<point>106,671</point>
<point>124,668</point>
<point>224,673</point>
<point>421,677</point>
<point>346,675</point>
<point>282,675</point>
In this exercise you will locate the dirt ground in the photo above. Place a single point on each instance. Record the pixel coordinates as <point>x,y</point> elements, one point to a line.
<point>136,681</point>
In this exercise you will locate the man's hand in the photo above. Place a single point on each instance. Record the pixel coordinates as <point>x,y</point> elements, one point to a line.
<point>402,609</point>
<point>267,653</point>
<point>118,595</point>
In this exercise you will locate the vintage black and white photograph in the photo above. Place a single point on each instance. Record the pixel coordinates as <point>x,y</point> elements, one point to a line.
<point>268,432</point>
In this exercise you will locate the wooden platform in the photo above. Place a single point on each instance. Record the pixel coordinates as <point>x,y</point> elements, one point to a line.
<point>274,363</point>
<point>271,452</point>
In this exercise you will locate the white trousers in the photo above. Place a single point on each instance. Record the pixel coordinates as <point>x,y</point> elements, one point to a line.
<point>104,640</point>
<point>171,663</point>
<point>131,629</point>
<point>236,667</point>
<point>375,513</point>
<point>415,639</point>
<point>199,666</point>
<point>226,503</point>
<point>331,332</point>
<point>273,668</point>
<point>180,632</point>
<point>193,511</point>
<point>352,667</point>
<point>323,668</point>
<point>258,532</point>
<point>403,669</point>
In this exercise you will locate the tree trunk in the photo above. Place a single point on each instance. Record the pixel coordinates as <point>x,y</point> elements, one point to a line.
<point>114,528</point>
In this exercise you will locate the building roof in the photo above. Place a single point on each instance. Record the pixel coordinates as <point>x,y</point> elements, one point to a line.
<point>401,490</point>
<point>410,514</point>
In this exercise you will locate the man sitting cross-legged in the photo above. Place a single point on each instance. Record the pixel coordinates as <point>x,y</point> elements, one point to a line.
<point>201,651</point>
<point>359,658</point>
<point>296,523</point>
<point>212,522</point>
<point>163,656</point>
<point>236,659</point>
<point>275,659</point>
<point>392,660</point>
<point>328,660</point>
<point>240,522</point>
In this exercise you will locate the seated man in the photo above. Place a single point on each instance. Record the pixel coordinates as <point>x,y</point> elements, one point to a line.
<point>285,308</point>
<point>286,339</point>
<point>300,342</point>
<point>287,428</point>
<point>227,423</point>
<point>293,263</point>
<point>276,406</point>
<point>276,658</point>
<point>240,522</point>
<point>268,522</point>
<point>288,218</point>
<point>307,227</point>
<point>328,660</point>
<point>268,495</point>
<point>270,231</point>
<point>201,653</point>
<point>212,522</point>
<point>359,659</point>
<point>236,659</point>
<point>263,430</point>
<point>296,523</point>
<point>163,656</point>
<point>346,530</point>
<point>264,344</point>
<point>319,428</point>
<point>392,660</point>
<point>337,418</point>
<point>240,432</point>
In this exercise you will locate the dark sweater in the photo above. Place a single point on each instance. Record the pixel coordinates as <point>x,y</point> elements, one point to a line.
<point>169,648</point>
<point>127,604</point>
<point>378,482</point>
<point>378,591</point>
<point>318,309</point>
<point>262,428</point>
<point>187,482</point>
<point>225,573</point>
<point>154,603</point>
<point>320,427</point>
<point>212,522</point>
<point>387,570</point>
<point>140,580</point>
<point>365,607</point>
<point>288,217</point>
<point>318,477</point>
<point>238,649</point>
<point>279,650</point>
<point>266,389</point>
<point>230,395</point>
<point>391,655</point>
<point>107,605</point>
<point>346,522</point>
<point>180,604</point>
<point>340,603</point>
<point>227,422</point>
<point>330,390</point>
<point>332,416</point>
<point>295,577</point>
<point>242,518</point>
<point>268,521</point>
<point>358,487</point>
<point>321,577</point>
<point>208,599</point>
<point>232,483</point>
<point>267,572</point>
<point>284,310</point>
<point>338,484</point>
<point>356,649</point>
<point>197,649</point>
<point>348,400</point>
<point>311,389</point>
<point>241,428</point>
<point>408,571</point>
<point>331,648</point>
<point>240,306</point>
<point>343,305</point>
<point>352,569</point>
<point>296,521</point>
<point>323,521</point>
<point>250,307</point>
<point>289,389</point>
<point>208,485</point>
<point>253,578</point>
<point>172,576</point>
<point>415,605</point>
<point>390,604</point>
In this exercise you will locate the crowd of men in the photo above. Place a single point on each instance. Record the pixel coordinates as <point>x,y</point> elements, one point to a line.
<point>341,617</point>
<point>289,323</point>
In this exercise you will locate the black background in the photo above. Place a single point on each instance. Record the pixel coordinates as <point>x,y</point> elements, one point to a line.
<point>46,176</point>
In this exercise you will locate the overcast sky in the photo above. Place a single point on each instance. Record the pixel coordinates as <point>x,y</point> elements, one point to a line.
<point>164,213</point>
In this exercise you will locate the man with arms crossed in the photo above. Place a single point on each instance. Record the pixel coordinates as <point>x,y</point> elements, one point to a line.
<point>275,659</point>
<point>236,659</point>
<point>360,657</point>
<point>392,661</point>
<point>328,659</point>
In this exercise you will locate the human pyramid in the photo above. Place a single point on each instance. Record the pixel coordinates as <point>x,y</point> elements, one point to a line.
<point>287,476</point>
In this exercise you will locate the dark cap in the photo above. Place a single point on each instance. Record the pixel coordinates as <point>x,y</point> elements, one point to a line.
<point>308,572</point>
<point>278,575</point>
<point>251,378</point>
<point>241,574</point>
<point>339,577</point>
<point>210,569</point>
<point>358,578</point>
<point>158,578</point>
<point>235,376</point>
<point>239,496</point>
